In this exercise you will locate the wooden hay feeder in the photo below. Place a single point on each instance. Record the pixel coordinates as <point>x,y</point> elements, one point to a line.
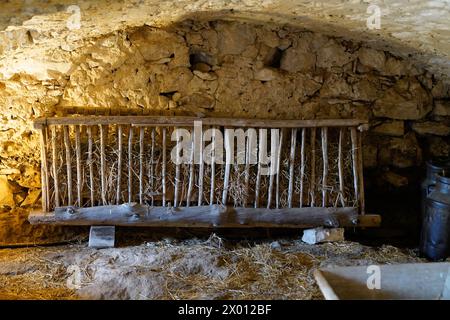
<point>117,171</point>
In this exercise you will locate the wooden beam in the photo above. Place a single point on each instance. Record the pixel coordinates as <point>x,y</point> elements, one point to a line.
<point>189,121</point>
<point>133,214</point>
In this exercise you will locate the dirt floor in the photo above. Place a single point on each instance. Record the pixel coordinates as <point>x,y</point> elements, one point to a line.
<point>189,269</point>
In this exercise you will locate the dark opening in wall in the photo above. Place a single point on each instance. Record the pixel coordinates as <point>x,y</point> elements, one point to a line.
<point>273,60</point>
<point>201,61</point>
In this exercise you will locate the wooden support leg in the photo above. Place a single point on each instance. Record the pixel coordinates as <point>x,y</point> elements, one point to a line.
<point>102,237</point>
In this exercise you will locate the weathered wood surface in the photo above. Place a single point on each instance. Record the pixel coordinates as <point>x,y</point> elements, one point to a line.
<point>408,281</point>
<point>188,121</point>
<point>203,216</point>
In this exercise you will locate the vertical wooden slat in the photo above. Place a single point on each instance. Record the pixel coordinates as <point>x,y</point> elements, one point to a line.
<point>130,164</point>
<point>177,169</point>
<point>55,165</point>
<point>91,165</point>
<point>213,168</point>
<point>291,166</point>
<point>277,190</point>
<point>247,171</point>
<point>164,133</point>
<point>119,163</point>
<point>228,160</point>
<point>191,175</point>
<point>79,169</point>
<point>200,170</point>
<point>361,174</point>
<point>302,165</point>
<point>151,177</point>
<point>141,164</point>
<point>355,162</point>
<point>44,170</point>
<point>324,133</point>
<point>341,167</point>
<point>102,165</point>
<point>262,146</point>
<point>68,165</point>
<point>313,168</point>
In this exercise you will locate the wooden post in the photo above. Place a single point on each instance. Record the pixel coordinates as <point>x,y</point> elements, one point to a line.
<point>361,174</point>
<point>151,177</point>
<point>341,167</point>
<point>228,161</point>
<point>68,165</point>
<point>313,167</point>
<point>324,133</point>
<point>91,164</point>
<point>262,146</point>
<point>55,165</point>
<point>164,166</point>
<point>277,186</point>
<point>130,164</point>
<point>102,165</point>
<point>44,170</point>
<point>291,166</point>
<point>177,169</point>
<point>213,167</point>
<point>355,162</point>
<point>119,163</point>
<point>79,169</point>
<point>200,170</point>
<point>247,170</point>
<point>191,176</point>
<point>302,165</point>
<point>141,164</point>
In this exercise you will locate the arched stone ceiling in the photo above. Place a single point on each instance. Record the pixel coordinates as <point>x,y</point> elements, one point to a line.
<point>35,33</point>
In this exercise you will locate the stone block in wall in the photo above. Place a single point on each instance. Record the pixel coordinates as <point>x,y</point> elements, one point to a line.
<point>372,58</point>
<point>370,155</point>
<point>400,152</point>
<point>431,127</point>
<point>298,59</point>
<point>234,38</point>
<point>395,179</point>
<point>333,54</point>
<point>441,108</point>
<point>441,89</point>
<point>389,128</point>
<point>406,100</point>
<point>437,146</point>
<point>6,193</point>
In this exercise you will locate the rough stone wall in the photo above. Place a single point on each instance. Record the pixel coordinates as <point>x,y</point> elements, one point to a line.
<point>214,67</point>
<point>234,69</point>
